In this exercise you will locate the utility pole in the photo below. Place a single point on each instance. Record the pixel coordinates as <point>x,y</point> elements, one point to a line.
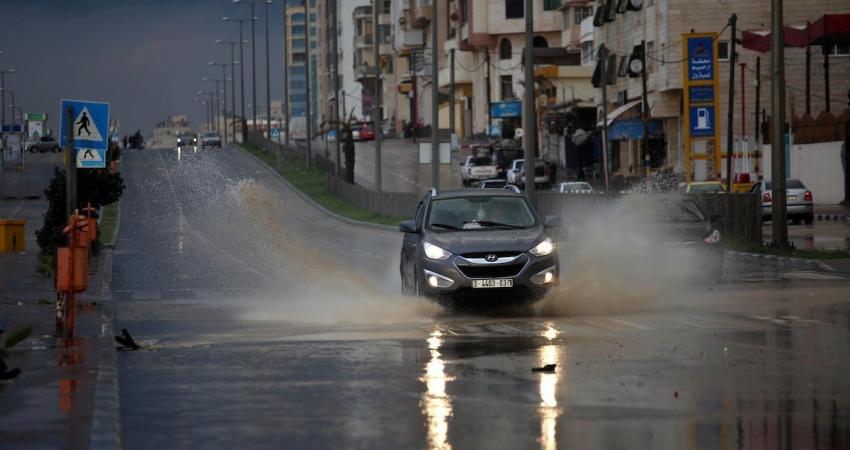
<point>489,88</point>
<point>435,104</point>
<point>268,84</point>
<point>254,69</point>
<point>756,122</point>
<point>233,91</point>
<point>309,82</point>
<point>286,75</point>
<point>529,126</point>
<point>70,164</point>
<point>242,122</point>
<point>777,140</point>
<point>224,86</point>
<point>604,72</point>
<point>452,126</point>
<point>730,120</point>
<point>377,105</point>
<point>645,108</point>
<point>336,121</point>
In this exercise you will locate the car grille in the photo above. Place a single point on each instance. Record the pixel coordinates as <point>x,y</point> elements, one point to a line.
<point>494,271</point>
<point>484,254</point>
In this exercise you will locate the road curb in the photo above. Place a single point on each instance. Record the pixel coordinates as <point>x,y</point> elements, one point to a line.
<point>832,218</point>
<point>106,418</point>
<point>781,261</point>
<point>316,205</point>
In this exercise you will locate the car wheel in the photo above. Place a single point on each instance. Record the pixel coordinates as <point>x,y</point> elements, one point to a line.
<point>56,149</point>
<point>809,219</point>
<point>31,149</point>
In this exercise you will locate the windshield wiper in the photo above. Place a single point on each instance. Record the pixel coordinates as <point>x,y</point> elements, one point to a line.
<point>445,225</point>
<point>487,223</point>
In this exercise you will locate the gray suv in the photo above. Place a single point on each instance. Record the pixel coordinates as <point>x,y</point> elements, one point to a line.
<point>469,246</point>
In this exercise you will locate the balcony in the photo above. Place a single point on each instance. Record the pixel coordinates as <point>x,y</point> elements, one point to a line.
<point>364,71</point>
<point>363,41</point>
<point>412,38</point>
<point>462,59</point>
<point>421,16</point>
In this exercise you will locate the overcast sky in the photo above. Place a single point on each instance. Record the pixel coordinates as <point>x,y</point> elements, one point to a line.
<point>145,57</point>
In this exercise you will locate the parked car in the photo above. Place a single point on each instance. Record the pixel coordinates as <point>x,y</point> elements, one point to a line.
<point>705,187</point>
<point>211,139</point>
<point>495,183</point>
<point>187,139</point>
<point>44,144</point>
<point>505,152</point>
<point>800,204</point>
<point>574,187</point>
<point>477,168</point>
<point>542,174</point>
<point>479,244</point>
<point>514,170</point>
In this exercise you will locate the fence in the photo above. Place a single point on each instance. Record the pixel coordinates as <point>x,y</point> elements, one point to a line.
<point>739,215</point>
<point>295,155</point>
<point>393,204</point>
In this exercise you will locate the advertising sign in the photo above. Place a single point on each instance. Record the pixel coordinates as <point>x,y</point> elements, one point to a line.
<point>505,110</point>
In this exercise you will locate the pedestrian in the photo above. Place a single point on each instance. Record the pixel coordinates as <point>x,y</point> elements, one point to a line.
<point>124,141</point>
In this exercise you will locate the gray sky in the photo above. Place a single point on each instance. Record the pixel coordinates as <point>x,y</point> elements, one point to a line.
<point>145,57</point>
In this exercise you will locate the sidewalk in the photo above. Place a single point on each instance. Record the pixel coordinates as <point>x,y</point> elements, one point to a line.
<point>51,403</point>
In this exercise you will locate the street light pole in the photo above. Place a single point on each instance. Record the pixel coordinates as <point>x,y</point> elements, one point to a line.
<point>3,93</point>
<point>777,138</point>
<point>242,42</point>
<point>268,80</point>
<point>336,86</point>
<point>233,64</point>
<point>224,85</point>
<point>529,128</point>
<point>286,75</point>
<point>377,104</point>
<point>309,88</point>
<point>435,114</point>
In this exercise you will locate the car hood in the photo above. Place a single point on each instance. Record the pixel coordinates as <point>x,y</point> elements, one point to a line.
<point>476,241</point>
<point>682,232</point>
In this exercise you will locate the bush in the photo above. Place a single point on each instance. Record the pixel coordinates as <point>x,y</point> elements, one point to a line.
<point>98,187</point>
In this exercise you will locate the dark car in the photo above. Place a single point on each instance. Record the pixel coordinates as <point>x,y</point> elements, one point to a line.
<point>44,144</point>
<point>187,140</point>
<point>484,244</point>
<point>505,153</point>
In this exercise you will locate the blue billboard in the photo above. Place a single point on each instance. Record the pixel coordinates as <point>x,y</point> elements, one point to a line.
<point>506,110</point>
<point>701,58</point>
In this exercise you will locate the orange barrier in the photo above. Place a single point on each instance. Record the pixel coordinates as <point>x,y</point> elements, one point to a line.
<point>72,265</point>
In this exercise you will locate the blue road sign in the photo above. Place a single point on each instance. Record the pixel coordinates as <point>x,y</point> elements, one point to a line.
<point>90,131</point>
<point>275,133</point>
<point>700,58</point>
<point>702,121</point>
<point>505,110</point>
<point>495,131</point>
<point>12,128</point>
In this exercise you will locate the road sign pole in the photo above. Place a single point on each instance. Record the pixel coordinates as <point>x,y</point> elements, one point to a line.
<point>70,165</point>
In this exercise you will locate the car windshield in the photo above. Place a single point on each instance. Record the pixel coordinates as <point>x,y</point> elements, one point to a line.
<point>519,164</point>
<point>789,184</point>
<point>494,184</point>
<point>212,135</point>
<point>568,187</point>
<point>481,161</point>
<point>480,213</point>
<point>710,187</point>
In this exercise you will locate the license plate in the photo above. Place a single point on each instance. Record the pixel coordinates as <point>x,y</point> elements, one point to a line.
<point>492,283</point>
<point>792,198</point>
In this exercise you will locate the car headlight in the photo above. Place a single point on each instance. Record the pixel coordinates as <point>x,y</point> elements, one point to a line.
<point>434,252</point>
<point>544,248</point>
<point>712,238</point>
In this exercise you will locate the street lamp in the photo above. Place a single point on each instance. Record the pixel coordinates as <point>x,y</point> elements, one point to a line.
<point>206,109</point>
<point>233,64</point>
<point>3,95</point>
<point>241,71</point>
<point>224,89</point>
<point>254,54</point>
<point>13,102</point>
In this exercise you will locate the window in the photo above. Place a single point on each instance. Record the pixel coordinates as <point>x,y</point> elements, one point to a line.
<point>549,5</point>
<point>299,58</point>
<point>386,6</point>
<point>582,13</point>
<point>539,42</point>
<point>514,9</point>
<point>298,30</point>
<point>298,18</point>
<point>723,50</point>
<point>566,22</point>
<point>505,49</point>
<point>384,32</point>
<point>507,90</point>
<point>298,44</point>
<point>838,50</point>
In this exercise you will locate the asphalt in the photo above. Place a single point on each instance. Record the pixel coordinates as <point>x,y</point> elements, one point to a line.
<point>267,324</point>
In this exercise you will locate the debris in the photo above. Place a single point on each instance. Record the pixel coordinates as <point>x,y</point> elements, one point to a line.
<point>548,368</point>
<point>126,341</point>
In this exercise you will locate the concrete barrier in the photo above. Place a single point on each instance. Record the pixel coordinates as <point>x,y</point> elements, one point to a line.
<point>393,204</point>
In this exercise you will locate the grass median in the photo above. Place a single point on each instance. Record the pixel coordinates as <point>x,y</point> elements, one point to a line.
<point>312,184</point>
<point>109,224</point>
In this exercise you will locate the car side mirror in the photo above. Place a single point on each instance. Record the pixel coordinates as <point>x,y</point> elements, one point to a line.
<point>551,222</point>
<point>408,226</point>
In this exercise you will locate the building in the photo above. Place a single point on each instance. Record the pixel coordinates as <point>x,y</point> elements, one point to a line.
<point>296,29</point>
<point>363,61</point>
<point>165,133</point>
<point>661,24</point>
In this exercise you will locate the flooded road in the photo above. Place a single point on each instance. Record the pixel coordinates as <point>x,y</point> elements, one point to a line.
<point>267,324</point>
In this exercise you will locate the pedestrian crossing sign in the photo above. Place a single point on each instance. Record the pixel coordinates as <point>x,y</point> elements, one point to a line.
<point>90,123</point>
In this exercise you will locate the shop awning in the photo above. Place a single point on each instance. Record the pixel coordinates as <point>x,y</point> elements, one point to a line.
<point>619,111</point>
<point>829,29</point>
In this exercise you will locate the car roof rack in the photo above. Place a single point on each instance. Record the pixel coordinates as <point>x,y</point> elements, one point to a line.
<point>512,187</point>
<point>432,191</point>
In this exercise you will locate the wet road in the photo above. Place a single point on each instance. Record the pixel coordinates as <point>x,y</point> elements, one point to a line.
<point>269,325</point>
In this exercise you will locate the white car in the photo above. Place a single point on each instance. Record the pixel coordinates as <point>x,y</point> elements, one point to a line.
<point>574,187</point>
<point>514,171</point>
<point>477,168</point>
<point>211,139</point>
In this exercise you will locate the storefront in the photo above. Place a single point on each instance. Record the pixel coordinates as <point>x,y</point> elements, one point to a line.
<point>505,118</point>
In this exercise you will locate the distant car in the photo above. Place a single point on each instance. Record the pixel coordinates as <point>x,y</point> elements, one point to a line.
<point>362,132</point>
<point>187,139</point>
<point>514,170</point>
<point>477,168</point>
<point>705,187</point>
<point>44,144</point>
<point>478,245</point>
<point>574,187</point>
<point>211,139</point>
<point>800,204</point>
<point>542,173</point>
<point>496,183</point>
<point>504,154</point>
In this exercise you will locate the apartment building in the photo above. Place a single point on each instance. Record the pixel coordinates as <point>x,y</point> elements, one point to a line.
<point>661,23</point>
<point>300,19</point>
<point>363,62</point>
